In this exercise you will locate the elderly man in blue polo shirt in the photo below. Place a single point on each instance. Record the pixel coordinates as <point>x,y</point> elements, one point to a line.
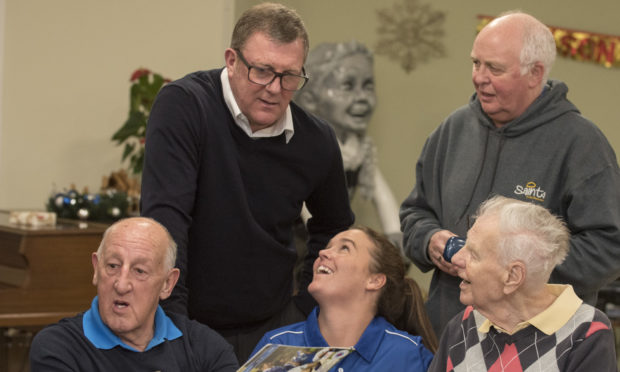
<point>125,329</point>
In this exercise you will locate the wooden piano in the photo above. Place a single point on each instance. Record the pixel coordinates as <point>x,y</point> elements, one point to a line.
<point>45,272</point>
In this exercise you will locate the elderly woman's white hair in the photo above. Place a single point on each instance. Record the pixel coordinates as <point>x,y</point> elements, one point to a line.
<point>324,58</point>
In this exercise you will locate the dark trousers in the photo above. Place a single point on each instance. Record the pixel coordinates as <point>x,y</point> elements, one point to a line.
<point>245,339</point>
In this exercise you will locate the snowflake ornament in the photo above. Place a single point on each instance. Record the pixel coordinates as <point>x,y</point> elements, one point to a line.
<point>410,33</point>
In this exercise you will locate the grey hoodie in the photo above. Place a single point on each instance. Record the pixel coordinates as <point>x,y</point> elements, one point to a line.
<point>551,156</point>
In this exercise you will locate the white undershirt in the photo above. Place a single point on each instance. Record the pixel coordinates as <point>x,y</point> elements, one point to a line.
<point>283,125</point>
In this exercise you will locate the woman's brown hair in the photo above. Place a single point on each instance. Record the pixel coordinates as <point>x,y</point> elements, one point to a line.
<point>401,301</point>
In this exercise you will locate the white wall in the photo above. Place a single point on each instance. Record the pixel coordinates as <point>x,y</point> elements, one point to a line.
<point>65,81</point>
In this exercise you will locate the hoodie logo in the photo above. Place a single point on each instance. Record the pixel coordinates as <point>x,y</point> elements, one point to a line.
<point>531,191</point>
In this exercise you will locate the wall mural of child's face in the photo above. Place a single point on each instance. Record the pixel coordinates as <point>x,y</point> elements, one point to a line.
<point>347,96</point>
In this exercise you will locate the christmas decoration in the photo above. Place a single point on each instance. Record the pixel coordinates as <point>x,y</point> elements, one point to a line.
<point>107,206</point>
<point>83,213</point>
<point>144,88</point>
<point>121,181</point>
<point>410,33</point>
<point>579,45</point>
<point>32,218</point>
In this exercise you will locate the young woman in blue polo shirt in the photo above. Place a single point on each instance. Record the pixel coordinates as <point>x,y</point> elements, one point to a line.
<point>365,302</point>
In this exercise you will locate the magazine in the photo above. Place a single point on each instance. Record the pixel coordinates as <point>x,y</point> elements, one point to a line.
<point>280,358</point>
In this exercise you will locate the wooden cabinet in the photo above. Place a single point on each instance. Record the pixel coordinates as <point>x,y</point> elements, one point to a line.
<point>45,273</point>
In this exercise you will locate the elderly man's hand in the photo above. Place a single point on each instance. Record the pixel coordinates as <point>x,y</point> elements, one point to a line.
<point>436,247</point>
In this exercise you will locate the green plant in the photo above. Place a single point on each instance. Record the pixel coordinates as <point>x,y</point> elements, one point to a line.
<point>144,88</point>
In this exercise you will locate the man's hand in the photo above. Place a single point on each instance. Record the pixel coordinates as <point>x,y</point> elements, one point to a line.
<point>436,246</point>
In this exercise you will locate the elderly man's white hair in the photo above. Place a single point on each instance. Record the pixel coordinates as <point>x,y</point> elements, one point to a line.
<point>171,246</point>
<point>528,233</point>
<point>538,41</point>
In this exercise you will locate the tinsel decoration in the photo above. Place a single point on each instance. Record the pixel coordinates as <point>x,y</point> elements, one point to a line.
<point>107,206</point>
<point>579,45</point>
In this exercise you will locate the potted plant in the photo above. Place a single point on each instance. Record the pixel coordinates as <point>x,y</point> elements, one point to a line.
<point>144,88</point>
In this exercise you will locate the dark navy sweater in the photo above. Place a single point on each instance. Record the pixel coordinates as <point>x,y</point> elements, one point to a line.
<point>64,347</point>
<point>230,201</point>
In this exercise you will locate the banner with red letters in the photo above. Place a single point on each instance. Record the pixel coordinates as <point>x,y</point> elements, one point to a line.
<point>579,45</point>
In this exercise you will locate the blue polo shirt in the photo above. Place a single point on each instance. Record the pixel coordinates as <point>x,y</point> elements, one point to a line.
<point>382,347</point>
<point>103,338</point>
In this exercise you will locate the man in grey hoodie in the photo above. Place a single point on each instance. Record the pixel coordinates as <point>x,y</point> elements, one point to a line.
<point>519,137</point>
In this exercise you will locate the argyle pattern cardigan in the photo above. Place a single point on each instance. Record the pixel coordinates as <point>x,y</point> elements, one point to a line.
<point>584,343</point>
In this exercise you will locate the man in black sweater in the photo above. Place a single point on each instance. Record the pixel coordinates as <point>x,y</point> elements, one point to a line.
<point>125,329</point>
<point>229,163</point>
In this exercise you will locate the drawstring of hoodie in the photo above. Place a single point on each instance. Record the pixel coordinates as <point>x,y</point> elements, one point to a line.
<point>473,191</point>
<point>499,150</point>
<point>502,139</point>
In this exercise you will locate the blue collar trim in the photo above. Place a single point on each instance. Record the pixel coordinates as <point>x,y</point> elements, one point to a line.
<point>103,338</point>
<point>368,344</point>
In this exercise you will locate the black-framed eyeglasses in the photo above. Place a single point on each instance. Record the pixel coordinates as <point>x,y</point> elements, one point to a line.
<point>266,76</point>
